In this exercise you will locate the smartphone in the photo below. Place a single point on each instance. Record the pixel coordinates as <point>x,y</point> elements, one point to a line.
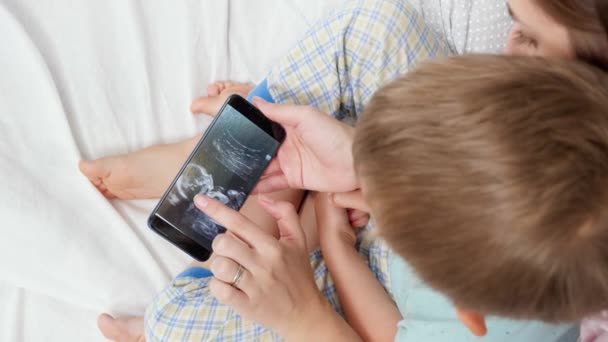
<point>226,164</point>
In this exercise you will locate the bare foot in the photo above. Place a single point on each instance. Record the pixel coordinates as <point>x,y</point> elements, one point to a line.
<point>122,330</point>
<point>147,173</point>
<point>143,174</point>
<point>217,93</point>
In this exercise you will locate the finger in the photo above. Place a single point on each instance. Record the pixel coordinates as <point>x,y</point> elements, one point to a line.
<point>285,115</point>
<point>226,270</point>
<point>227,246</point>
<point>207,105</point>
<point>230,296</point>
<point>350,200</point>
<point>360,222</point>
<point>271,183</point>
<point>273,167</point>
<point>328,214</point>
<point>233,221</point>
<point>356,215</point>
<point>287,218</point>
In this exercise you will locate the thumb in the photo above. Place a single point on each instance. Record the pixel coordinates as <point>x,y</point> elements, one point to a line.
<point>288,220</point>
<point>350,200</point>
<point>285,115</point>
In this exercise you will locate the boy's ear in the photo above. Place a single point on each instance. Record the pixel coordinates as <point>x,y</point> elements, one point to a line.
<point>474,321</point>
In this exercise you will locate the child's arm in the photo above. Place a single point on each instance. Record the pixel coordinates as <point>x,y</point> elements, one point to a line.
<point>367,307</point>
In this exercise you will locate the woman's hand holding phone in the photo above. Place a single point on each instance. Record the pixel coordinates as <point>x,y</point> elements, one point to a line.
<point>316,154</point>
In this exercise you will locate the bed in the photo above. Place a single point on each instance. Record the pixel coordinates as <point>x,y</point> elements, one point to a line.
<point>86,79</point>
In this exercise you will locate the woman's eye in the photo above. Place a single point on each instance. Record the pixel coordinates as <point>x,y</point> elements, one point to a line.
<point>521,38</point>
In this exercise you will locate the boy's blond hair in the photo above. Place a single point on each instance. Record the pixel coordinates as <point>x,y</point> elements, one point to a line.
<point>489,175</point>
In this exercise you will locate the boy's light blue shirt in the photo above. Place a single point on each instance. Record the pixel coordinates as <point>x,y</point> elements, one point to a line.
<point>429,316</point>
<point>261,91</point>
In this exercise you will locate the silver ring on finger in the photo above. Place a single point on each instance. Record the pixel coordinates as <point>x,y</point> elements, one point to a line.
<point>238,276</point>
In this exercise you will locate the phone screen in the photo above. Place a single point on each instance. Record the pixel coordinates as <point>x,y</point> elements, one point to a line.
<point>226,166</point>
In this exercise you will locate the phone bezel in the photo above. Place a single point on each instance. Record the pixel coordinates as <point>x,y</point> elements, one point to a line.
<point>172,233</point>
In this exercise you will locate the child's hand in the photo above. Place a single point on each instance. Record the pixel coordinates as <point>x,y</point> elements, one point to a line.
<point>358,210</point>
<point>352,200</point>
<point>333,223</point>
<point>357,218</point>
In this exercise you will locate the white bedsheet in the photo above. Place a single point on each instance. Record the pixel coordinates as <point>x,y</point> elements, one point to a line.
<point>85,79</point>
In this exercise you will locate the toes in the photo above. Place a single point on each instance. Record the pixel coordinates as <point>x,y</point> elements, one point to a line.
<point>102,187</point>
<point>227,84</point>
<point>96,171</point>
<point>217,87</point>
<point>86,167</point>
<point>207,105</point>
<point>93,169</point>
<point>213,89</point>
<point>217,93</point>
<point>223,85</point>
<point>242,89</point>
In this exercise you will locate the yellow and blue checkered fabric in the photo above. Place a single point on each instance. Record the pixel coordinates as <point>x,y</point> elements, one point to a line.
<point>344,60</point>
<point>336,67</point>
<point>186,311</point>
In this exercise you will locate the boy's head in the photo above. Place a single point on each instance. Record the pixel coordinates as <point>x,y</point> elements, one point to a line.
<point>489,175</point>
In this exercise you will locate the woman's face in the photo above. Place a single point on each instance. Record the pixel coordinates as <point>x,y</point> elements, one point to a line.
<point>535,33</point>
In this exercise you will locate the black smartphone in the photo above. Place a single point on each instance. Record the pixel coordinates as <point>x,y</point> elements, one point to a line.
<point>226,164</point>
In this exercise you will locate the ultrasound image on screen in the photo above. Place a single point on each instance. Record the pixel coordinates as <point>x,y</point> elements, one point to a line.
<point>227,165</point>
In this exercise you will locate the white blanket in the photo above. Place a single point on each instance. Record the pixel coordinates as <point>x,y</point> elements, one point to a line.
<point>85,79</point>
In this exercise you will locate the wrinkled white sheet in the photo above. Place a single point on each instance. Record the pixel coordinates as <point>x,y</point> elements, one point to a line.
<point>85,79</point>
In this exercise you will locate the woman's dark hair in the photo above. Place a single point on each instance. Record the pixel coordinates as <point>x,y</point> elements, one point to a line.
<point>587,23</point>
